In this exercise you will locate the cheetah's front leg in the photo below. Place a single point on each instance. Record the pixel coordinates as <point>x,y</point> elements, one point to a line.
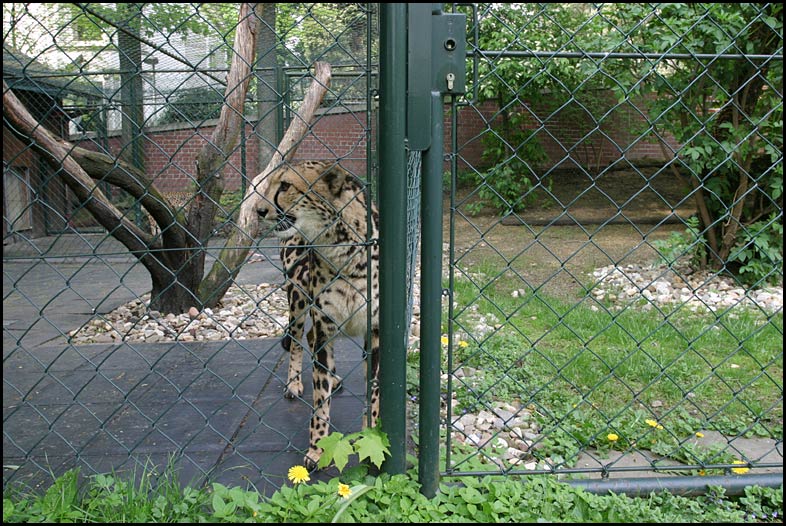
<point>374,377</point>
<point>323,374</point>
<point>297,262</point>
<point>292,343</point>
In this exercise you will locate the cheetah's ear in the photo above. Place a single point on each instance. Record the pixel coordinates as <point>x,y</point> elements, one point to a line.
<point>335,179</point>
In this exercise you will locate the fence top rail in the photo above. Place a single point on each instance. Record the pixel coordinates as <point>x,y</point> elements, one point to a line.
<point>618,55</point>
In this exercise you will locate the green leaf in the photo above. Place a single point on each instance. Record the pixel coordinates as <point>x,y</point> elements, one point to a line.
<point>335,448</point>
<point>341,454</point>
<point>369,447</point>
<point>372,445</point>
<point>471,495</point>
<point>328,445</point>
<point>221,508</point>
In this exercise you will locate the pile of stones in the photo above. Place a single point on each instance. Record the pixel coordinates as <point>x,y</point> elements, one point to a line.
<point>245,313</point>
<point>663,286</point>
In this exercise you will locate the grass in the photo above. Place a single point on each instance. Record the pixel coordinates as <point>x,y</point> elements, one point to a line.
<point>107,498</point>
<point>590,370</point>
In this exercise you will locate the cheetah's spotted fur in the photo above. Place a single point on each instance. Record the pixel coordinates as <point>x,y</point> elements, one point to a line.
<point>320,212</point>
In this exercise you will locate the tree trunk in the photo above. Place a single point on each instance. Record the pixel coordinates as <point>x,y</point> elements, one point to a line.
<point>129,50</point>
<point>268,98</point>
<point>747,87</point>
<point>213,155</point>
<point>173,296</point>
<point>235,250</point>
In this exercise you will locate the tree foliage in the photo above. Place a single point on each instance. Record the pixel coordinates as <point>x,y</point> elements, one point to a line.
<point>330,32</point>
<point>534,94</point>
<point>693,61</point>
<point>727,115</point>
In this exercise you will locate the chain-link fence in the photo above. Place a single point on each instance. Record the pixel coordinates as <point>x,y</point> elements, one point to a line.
<point>105,366</point>
<point>616,257</point>
<point>613,284</point>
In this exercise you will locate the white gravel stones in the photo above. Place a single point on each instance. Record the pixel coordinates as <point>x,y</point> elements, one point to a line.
<point>507,435</point>
<point>245,313</point>
<point>662,286</point>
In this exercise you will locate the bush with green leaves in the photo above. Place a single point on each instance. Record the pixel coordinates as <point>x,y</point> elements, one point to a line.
<point>724,111</point>
<point>194,106</point>
<point>759,251</point>
<point>515,158</point>
<point>726,114</point>
<point>688,245</point>
<point>540,498</point>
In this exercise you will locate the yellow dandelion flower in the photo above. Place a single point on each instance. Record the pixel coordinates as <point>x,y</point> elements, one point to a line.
<point>462,344</point>
<point>344,491</point>
<point>444,340</point>
<point>612,437</point>
<point>739,471</point>
<point>699,434</point>
<point>652,423</point>
<point>659,426</point>
<point>298,474</point>
<point>702,473</point>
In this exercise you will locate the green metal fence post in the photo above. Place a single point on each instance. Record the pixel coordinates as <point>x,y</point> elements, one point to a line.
<point>431,303</point>
<point>392,205</point>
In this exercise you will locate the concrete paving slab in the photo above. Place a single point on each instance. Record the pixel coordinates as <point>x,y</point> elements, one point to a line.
<point>766,452</point>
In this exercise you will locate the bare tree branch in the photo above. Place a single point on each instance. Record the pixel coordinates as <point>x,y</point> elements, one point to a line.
<point>119,173</point>
<point>234,253</point>
<point>59,158</point>
<point>212,156</point>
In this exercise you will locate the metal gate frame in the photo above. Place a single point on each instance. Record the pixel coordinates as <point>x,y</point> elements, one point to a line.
<point>393,144</point>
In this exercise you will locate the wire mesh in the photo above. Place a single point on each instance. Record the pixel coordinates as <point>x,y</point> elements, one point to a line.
<point>604,158</point>
<point>98,372</point>
<point>600,322</point>
<point>414,159</point>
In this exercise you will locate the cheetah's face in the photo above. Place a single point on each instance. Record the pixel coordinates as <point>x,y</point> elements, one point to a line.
<point>300,199</point>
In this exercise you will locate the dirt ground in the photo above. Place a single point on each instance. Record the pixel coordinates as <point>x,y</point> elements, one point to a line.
<point>574,227</point>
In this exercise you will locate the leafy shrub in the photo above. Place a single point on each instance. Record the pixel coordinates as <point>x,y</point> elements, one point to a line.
<point>759,251</point>
<point>193,105</point>
<point>514,155</point>
<point>688,244</point>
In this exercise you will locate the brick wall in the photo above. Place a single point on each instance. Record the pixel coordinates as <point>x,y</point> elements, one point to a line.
<point>339,136</point>
<point>568,137</point>
<point>171,150</point>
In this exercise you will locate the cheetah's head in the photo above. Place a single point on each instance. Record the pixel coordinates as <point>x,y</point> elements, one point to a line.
<point>303,198</point>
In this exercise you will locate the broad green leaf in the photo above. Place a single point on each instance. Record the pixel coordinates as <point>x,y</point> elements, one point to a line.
<point>373,445</point>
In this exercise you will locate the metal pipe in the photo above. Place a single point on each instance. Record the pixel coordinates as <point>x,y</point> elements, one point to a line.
<point>393,235</point>
<point>733,485</point>
<point>509,53</point>
<point>431,303</point>
<point>686,486</point>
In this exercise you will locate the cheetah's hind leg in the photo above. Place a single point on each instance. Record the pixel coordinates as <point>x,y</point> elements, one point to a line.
<point>292,343</point>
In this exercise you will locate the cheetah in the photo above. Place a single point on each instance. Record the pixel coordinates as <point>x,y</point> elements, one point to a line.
<point>296,258</point>
<point>319,212</point>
